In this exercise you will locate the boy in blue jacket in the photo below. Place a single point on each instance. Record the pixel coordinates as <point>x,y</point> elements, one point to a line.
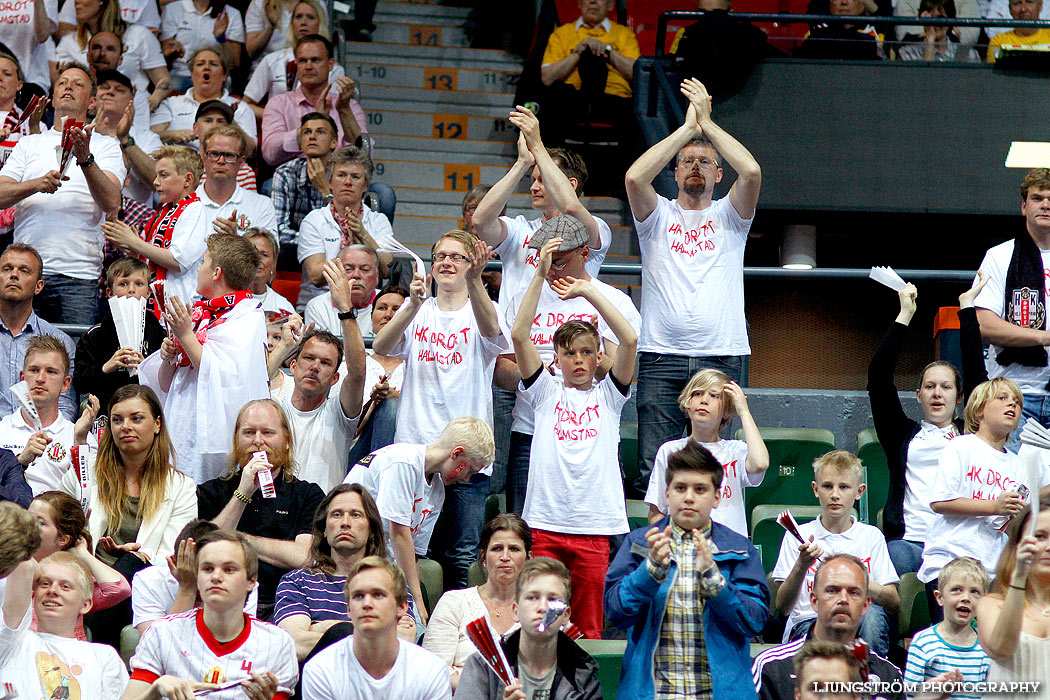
<point>692,592</point>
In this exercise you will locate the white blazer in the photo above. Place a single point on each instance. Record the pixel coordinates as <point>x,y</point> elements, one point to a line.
<point>156,535</point>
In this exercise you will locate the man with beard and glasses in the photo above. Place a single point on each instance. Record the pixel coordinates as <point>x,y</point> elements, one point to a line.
<point>693,268</point>
<point>311,604</point>
<point>278,527</point>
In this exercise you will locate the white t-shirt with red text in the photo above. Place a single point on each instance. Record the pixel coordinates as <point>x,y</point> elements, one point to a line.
<point>732,455</point>
<point>519,260</point>
<point>693,280</point>
<point>17,19</point>
<point>1032,380</point>
<point>865,542</point>
<point>551,313</point>
<point>971,468</point>
<point>396,478</point>
<point>574,469</point>
<point>448,371</point>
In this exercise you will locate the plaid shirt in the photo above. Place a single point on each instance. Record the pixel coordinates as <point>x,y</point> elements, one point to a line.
<point>294,196</point>
<point>680,662</point>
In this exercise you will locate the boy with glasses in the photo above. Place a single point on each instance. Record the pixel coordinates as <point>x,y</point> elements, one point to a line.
<point>228,207</point>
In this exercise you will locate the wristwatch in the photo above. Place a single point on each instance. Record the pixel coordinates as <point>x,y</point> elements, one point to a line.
<point>608,49</point>
<point>346,315</point>
<point>125,145</point>
<point>87,163</point>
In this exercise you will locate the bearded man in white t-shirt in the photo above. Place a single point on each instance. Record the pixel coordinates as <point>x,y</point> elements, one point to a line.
<point>61,213</point>
<point>323,421</point>
<point>373,663</point>
<point>692,268</point>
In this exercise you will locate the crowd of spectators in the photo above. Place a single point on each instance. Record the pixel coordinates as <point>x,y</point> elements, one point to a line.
<point>256,494</point>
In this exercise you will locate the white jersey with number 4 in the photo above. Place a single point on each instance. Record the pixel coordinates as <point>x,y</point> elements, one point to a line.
<point>182,646</point>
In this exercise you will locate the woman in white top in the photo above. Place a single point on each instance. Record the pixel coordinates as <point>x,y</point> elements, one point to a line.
<point>173,121</point>
<point>270,75</point>
<point>188,25</point>
<point>506,544</point>
<point>1013,621</point>
<point>141,61</point>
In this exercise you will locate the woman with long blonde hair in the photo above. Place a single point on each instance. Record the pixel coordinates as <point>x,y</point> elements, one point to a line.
<point>138,501</point>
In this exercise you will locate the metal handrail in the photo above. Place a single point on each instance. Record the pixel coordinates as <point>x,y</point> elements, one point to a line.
<point>787,18</point>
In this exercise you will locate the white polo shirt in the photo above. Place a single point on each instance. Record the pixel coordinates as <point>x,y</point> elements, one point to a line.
<point>45,472</point>
<point>65,227</point>
<point>193,29</point>
<point>321,313</point>
<point>253,209</point>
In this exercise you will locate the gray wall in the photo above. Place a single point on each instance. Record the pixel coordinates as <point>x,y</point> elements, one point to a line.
<point>887,137</point>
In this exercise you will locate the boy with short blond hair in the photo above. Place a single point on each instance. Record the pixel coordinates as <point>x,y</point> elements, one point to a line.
<point>574,499</point>
<point>215,360</point>
<point>837,484</point>
<point>102,365</point>
<point>952,643</point>
<point>173,241</point>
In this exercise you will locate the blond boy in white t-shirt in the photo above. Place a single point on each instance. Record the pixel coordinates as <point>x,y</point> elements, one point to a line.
<point>709,401</point>
<point>838,483</point>
<point>574,499</point>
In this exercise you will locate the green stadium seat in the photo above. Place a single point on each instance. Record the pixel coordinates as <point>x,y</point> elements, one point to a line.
<point>766,532</point>
<point>495,504</point>
<point>637,514</point>
<point>129,639</point>
<point>629,454</point>
<point>432,581</point>
<point>609,655</point>
<point>876,475</point>
<point>914,614</point>
<point>476,575</point>
<point>790,475</point>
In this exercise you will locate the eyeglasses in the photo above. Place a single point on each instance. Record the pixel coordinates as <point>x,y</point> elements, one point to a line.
<point>563,262</point>
<point>454,257</point>
<point>705,163</point>
<point>222,156</point>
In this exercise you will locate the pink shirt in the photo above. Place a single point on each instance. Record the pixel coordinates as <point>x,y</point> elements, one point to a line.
<point>283,116</point>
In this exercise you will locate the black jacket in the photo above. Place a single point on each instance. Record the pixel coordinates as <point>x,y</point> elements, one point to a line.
<point>575,679</point>
<point>96,347</point>
<point>894,427</point>
<point>13,486</point>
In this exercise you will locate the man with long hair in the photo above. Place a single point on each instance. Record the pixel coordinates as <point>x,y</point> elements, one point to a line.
<point>310,601</point>
<point>279,526</point>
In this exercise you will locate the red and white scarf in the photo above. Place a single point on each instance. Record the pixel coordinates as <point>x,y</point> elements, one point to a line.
<point>344,237</point>
<point>208,314</point>
<point>159,230</point>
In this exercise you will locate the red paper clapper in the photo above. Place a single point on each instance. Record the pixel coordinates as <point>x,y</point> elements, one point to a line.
<point>859,648</point>
<point>67,143</point>
<point>490,649</point>
<point>26,113</point>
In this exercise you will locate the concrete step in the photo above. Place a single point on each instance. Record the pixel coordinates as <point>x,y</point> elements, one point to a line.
<point>416,96</point>
<point>453,127</point>
<point>452,177</point>
<point>419,9</point>
<point>492,59</point>
<point>422,34</point>
<point>424,75</point>
<point>609,208</point>
<point>378,105</point>
<point>450,158</point>
<point>437,19</point>
<point>441,146</point>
